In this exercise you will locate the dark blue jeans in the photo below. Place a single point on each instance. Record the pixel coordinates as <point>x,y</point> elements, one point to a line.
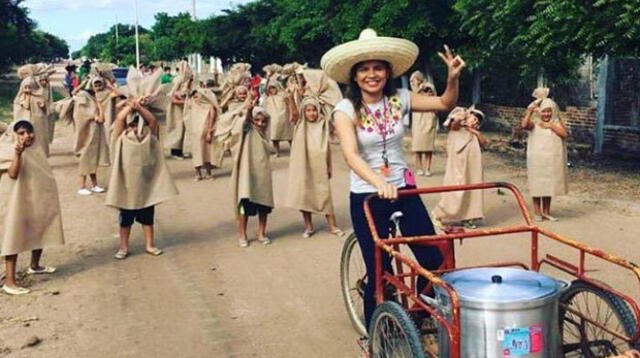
<point>415,221</point>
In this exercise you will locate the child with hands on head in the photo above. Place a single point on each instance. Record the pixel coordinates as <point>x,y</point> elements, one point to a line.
<point>546,153</point>
<point>464,166</point>
<point>251,182</point>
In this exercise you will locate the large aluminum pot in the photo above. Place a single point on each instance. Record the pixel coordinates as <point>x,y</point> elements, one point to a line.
<point>504,312</point>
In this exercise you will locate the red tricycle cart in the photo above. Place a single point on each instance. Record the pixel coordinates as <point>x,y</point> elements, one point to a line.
<point>594,319</point>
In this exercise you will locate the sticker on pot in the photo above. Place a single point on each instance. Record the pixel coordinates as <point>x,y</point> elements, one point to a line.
<point>521,341</point>
<point>517,342</point>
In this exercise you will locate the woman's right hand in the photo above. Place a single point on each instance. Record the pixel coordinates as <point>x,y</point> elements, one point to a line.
<point>387,191</point>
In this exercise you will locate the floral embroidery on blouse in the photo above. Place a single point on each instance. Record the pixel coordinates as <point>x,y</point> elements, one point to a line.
<point>387,121</point>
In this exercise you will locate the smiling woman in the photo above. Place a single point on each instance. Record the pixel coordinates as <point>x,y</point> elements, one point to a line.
<point>369,125</point>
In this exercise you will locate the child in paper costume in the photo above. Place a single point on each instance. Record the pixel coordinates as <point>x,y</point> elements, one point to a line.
<point>201,109</point>
<point>251,183</point>
<point>308,188</point>
<point>178,139</point>
<point>92,111</point>
<point>140,178</point>
<point>464,166</point>
<point>423,126</point>
<point>546,153</point>
<point>234,111</point>
<point>275,102</point>
<point>30,212</point>
<point>32,103</point>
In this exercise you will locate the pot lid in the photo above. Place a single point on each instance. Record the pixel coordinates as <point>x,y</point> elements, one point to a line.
<point>501,284</point>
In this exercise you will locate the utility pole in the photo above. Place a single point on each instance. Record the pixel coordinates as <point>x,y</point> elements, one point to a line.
<point>117,57</point>
<point>193,9</point>
<point>137,39</point>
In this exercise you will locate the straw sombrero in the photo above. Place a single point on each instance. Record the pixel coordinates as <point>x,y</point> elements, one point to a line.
<point>400,53</point>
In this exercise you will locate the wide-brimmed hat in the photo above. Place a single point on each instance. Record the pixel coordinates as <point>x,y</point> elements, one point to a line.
<point>400,53</point>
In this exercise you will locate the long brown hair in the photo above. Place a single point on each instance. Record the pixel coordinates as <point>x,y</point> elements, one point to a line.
<point>354,92</point>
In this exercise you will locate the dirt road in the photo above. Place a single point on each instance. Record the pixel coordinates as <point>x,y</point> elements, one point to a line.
<point>208,298</point>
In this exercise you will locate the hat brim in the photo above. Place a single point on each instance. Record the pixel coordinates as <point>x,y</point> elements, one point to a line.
<point>339,61</point>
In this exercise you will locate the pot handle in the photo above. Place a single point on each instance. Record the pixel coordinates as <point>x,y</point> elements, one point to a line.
<point>442,307</point>
<point>564,285</point>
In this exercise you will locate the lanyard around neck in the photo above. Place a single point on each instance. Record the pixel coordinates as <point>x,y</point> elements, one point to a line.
<point>381,128</point>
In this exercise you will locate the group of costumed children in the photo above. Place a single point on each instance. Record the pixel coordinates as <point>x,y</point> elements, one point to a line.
<point>118,127</point>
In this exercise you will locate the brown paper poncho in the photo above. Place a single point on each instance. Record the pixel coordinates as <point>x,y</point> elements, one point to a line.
<point>139,176</point>
<point>177,134</point>
<point>197,112</point>
<point>30,210</point>
<point>228,127</point>
<point>464,166</point>
<point>308,187</point>
<point>546,157</point>
<point>251,176</point>
<point>91,145</point>
<point>280,127</point>
<point>321,87</point>
<point>423,124</point>
<point>34,108</point>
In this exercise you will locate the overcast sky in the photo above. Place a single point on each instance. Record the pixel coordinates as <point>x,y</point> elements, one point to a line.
<point>76,20</point>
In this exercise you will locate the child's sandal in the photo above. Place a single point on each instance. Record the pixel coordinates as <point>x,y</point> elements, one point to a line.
<point>121,255</point>
<point>155,252</point>
<point>41,271</point>
<point>264,240</point>
<point>243,243</point>
<point>337,232</point>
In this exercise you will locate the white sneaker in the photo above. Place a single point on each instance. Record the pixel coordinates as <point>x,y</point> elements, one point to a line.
<point>98,189</point>
<point>420,172</point>
<point>84,191</point>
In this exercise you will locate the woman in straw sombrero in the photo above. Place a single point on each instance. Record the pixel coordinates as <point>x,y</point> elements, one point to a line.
<point>369,125</point>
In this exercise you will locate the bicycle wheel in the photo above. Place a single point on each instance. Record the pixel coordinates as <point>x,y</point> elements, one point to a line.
<point>353,278</point>
<point>583,339</point>
<point>393,333</point>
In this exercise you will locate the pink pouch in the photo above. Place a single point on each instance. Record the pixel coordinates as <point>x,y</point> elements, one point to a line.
<point>409,177</point>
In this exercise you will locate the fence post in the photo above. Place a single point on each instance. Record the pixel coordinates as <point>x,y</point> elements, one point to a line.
<point>604,75</point>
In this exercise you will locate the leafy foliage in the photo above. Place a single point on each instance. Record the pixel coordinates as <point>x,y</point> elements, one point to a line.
<point>20,40</point>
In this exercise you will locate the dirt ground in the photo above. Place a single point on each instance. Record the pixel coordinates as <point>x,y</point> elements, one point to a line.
<point>206,297</point>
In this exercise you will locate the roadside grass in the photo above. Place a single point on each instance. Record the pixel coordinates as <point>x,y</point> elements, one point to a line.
<point>8,90</point>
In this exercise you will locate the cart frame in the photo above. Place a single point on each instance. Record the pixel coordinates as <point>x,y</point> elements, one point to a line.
<point>405,283</point>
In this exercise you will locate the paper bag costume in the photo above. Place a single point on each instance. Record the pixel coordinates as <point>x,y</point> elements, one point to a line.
<point>546,155</point>
<point>140,176</point>
<point>308,187</point>
<point>251,175</point>
<point>464,166</point>
<point>423,124</point>
<point>30,212</point>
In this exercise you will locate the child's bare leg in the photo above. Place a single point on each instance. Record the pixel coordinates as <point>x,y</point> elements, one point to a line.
<point>35,259</point>
<point>536,206</point>
<point>198,173</point>
<point>94,179</point>
<point>83,181</point>
<point>331,221</point>
<point>242,226</point>
<point>262,225</point>
<point>546,205</point>
<point>148,237</point>
<point>209,169</point>
<point>308,223</point>
<point>10,262</point>
<point>418,161</point>
<point>125,232</point>
<point>428,156</point>
<point>276,145</point>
